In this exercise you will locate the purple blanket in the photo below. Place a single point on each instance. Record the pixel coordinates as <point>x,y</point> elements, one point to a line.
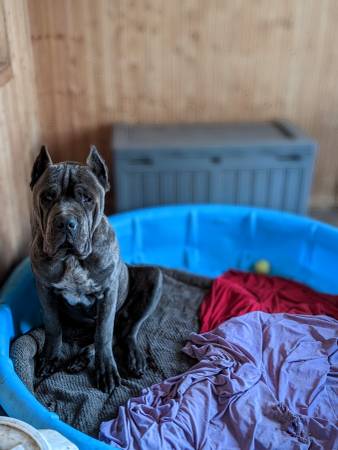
<point>263,381</point>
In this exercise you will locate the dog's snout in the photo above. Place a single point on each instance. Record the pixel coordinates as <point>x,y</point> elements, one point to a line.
<point>66,223</point>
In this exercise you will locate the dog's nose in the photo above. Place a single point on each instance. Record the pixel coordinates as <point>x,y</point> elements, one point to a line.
<point>64,223</point>
<point>71,224</point>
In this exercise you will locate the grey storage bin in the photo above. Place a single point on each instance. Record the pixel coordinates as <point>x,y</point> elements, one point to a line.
<point>267,164</point>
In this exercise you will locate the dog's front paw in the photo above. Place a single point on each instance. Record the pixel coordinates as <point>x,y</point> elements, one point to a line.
<point>107,375</point>
<point>47,364</point>
<point>136,362</point>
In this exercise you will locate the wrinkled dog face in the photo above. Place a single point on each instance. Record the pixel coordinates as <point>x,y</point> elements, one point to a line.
<point>68,203</point>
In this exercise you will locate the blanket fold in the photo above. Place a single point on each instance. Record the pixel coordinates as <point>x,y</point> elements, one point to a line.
<point>235,293</point>
<point>261,381</point>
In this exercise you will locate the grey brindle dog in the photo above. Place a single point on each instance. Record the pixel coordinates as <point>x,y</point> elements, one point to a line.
<point>79,272</point>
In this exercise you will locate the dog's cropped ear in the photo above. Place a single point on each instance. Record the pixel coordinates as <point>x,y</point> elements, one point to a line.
<point>41,163</point>
<point>96,163</point>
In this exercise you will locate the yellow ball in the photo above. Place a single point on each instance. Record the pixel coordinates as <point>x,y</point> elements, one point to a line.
<point>262,267</point>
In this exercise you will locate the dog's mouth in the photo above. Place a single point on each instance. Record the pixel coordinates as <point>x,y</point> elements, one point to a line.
<point>65,249</point>
<point>69,249</point>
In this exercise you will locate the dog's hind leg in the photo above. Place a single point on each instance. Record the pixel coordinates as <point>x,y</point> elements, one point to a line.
<point>144,294</point>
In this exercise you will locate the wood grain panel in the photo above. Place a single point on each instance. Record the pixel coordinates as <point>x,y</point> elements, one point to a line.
<point>186,60</point>
<point>97,63</point>
<point>19,138</point>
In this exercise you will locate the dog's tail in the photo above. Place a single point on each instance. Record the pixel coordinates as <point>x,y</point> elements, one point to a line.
<point>188,278</point>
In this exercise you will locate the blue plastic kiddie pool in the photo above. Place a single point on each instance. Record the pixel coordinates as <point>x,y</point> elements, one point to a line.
<point>204,239</point>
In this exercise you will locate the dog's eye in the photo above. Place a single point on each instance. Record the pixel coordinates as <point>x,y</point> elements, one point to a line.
<point>48,196</point>
<point>82,196</point>
<point>86,198</point>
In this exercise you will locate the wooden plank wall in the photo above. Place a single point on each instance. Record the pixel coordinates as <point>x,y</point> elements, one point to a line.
<point>19,138</point>
<point>98,62</point>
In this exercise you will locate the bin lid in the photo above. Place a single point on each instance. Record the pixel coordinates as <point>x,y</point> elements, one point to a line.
<point>206,135</point>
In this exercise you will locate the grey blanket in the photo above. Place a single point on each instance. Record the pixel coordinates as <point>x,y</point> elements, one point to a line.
<point>74,396</point>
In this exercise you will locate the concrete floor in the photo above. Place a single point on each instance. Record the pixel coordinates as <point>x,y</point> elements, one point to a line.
<point>325,215</point>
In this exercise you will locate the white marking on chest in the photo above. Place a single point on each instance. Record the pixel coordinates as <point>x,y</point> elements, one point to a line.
<point>76,285</point>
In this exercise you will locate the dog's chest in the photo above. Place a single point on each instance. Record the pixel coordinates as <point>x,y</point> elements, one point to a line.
<point>76,285</point>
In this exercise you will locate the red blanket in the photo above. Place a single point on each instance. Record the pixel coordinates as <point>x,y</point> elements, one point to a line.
<point>236,293</point>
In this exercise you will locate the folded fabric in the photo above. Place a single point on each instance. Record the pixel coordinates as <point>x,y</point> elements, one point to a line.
<point>262,381</point>
<point>235,293</point>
